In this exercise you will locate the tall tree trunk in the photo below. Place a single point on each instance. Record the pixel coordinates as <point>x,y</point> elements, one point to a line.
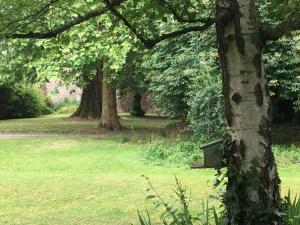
<point>109,118</point>
<point>136,109</point>
<point>91,100</point>
<point>252,196</point>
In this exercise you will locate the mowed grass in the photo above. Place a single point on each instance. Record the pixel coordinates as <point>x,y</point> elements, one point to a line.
<point>64,178</point>
<point>52,180</point>
<point>89,181</point>
<point>60,123</point>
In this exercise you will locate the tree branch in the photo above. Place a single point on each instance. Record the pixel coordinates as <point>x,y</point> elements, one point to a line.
<point>150,43</point>
<point>179,18</point>
<point>65,26</point>
<point>125,21</point>
<point>274,33</point>
<point>34,16</point>
<point>110,6</point>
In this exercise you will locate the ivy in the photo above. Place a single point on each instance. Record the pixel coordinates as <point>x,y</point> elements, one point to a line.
<point>241,207</point>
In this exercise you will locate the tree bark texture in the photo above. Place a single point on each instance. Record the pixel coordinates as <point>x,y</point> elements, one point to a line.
<point>109,118</point>
<point>252,196</point>
<point>91,100</point>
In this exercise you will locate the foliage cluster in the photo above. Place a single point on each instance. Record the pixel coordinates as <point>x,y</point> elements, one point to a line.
<point>182,151</point>
<point>292,209</point>
<point>173,152</point>
<point>22,101</point>
<point>287,155</point>
<point>185,81</point>
<point>206,116</point>
<point>282,69</point>
<point>179,212</point>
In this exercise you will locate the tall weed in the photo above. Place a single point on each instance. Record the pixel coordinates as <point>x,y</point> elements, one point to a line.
<point>178,212</point>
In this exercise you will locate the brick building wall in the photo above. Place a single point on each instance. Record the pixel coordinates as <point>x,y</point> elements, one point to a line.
<point>57,91</point>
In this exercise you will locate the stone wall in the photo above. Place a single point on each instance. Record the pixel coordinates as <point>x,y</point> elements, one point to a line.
<point>125,103</point>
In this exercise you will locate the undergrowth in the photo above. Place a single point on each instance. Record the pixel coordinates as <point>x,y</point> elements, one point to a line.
<point>173,151</point>
<point>178,211</point>
<point>287,155</point>
<point>183,151</point>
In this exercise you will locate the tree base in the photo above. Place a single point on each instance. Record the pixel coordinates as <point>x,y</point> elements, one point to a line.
<point>84,116</point>
<point>91,100</point>
<point>110,126</point>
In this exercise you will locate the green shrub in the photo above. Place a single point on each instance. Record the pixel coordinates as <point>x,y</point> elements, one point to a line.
<point>282,70</point>
<point>287,155</point>
<point>177,152</point>
<point>182,152</point>
<point>21,101</point>
<point>207,106</point>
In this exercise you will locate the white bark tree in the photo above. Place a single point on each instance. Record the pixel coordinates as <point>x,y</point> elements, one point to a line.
<point>253,195</point>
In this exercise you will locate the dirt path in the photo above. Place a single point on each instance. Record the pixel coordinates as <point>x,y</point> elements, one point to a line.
<point>22,135</point>
<point>19,135</point>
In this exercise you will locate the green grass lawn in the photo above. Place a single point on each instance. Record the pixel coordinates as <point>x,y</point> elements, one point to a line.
<point>88,181</point>
<point>80,181</point>
<point>58,123</point>
<point>65,178</point>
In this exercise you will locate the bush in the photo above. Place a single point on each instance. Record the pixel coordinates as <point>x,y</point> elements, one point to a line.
<point>207,106</point>
<point>282,70</point>
<point>172,67</point>
<point>186,152</point>
<point>21,101</point>
<point>287,155</point>
<point>177,152</point>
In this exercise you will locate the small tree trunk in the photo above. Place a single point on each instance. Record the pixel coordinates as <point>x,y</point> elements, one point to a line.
<point>137,105</point>
<point>109,118</point>
<point>91,100</point>
<point>252,196</point>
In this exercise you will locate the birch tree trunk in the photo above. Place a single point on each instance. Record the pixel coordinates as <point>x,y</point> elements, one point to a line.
<point>109,118</point>
<point>91,99</point>
<point>252,196</point>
